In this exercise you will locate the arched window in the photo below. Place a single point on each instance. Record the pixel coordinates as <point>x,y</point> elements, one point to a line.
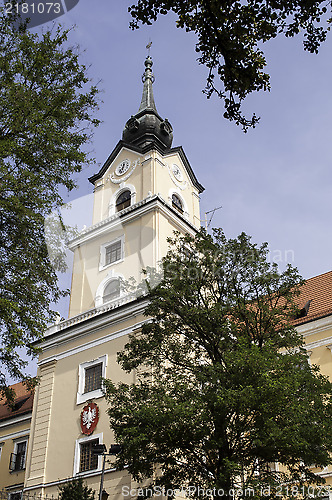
<point>177,203</point>
<point>111,291</point>
<point>123,200</point>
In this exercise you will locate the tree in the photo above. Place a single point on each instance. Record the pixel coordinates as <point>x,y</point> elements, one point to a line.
<point>230,37</point>
<point>46,118</point>
<point>75,489</point>
<point>223,388</point>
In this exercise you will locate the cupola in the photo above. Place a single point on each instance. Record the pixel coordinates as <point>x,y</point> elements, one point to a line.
<point>147,128</point>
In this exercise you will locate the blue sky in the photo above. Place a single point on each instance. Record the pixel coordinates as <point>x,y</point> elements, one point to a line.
<point>274,182</point>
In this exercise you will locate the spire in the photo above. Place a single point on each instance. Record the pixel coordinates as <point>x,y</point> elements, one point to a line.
<point>147,128</point>
<point>147,101</point>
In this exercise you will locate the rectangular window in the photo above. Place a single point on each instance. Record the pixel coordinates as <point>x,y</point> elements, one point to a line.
<point>93,376</point>
<point>88,460</point>
<point>17,459</point>
<point>113,253</point>
<point>90,375</point>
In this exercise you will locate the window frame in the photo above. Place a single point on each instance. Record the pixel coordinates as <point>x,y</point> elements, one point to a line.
<point>121,193</point>
<point>77,455</point>
<point>16,444</point>
<point>180,208</point>
<point>176,192</point>
<point>82,396</point>
<point>104,246</point>
<point>87,377</point>
<point>112,203</point>
<point>90,457</point>
<point>116,297</point>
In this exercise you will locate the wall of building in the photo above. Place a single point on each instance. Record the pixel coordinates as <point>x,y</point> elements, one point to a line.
<point>11,432</point>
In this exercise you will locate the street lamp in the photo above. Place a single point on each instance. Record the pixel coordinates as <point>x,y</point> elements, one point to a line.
<point>100,449</point>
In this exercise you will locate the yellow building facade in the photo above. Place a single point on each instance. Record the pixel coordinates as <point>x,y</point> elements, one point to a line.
<point>144,192</point>
<point>315,325</point>
<point>15,425</point>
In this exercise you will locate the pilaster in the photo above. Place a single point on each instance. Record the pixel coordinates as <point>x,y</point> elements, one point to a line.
<point>38,448</point>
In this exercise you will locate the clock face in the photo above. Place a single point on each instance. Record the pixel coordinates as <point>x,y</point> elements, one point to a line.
<point>177,172</point>
<point>122,167</point>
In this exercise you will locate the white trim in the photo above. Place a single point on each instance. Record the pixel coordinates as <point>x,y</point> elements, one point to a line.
<point>89,345</point>
<point>102,258</point>
<point>148,204</point>
<point>316,326</point>
<point>123,187</point>
<point>97,322</point>
<point>180,184</point>
<point>105,177</point>
<point>327,342</point>
<point>61,481</point>
<point>80,441</point>
<point>111,276</point>
<point>184,204</point>
<point>16,420</point>
<point>14,492</point>
<point>16,435</point>
<point>84,396</point>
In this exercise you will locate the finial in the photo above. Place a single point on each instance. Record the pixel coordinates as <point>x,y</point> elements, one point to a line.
<point>147,127</point>
<point>148,71</point>
<point>149,46</point>
<point>147,79</point>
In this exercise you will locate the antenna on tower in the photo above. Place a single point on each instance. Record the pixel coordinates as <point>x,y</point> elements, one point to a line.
<point>207,224</point>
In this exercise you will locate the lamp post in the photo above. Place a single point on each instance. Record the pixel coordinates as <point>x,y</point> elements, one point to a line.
<point>100,449</point>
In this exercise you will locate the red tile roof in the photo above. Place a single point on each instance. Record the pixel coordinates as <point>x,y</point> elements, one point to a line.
<point>22,404</point>
<point>319,291</point>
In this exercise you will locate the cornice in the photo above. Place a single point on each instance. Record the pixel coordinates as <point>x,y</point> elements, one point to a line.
<point>13,421</point>
<point>327,342</point>
<point>90,321</point>
<point>87,345</point>
<point>131,213</point>
<point>61,481</point>
<point>315,326</point>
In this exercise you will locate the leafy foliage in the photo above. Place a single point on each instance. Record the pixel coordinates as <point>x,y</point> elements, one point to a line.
<point>75,489</point>
<point>46,105</point>
<point>230,35</point>
<point>223,387</point>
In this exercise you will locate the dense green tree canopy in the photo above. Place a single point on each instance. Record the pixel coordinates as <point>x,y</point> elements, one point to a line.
<point>223,387</point>
<point>46,106</point>
<point>230,37</point>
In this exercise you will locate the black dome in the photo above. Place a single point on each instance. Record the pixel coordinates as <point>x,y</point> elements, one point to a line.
<point>147,126</point>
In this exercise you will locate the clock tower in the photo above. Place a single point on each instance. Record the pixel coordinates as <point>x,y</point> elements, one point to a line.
<point>144,192</point>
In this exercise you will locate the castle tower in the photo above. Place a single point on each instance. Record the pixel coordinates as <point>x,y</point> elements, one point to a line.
<point>143,193</point>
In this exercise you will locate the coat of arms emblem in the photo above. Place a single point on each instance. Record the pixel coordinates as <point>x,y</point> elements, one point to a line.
<point>89,418</point>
